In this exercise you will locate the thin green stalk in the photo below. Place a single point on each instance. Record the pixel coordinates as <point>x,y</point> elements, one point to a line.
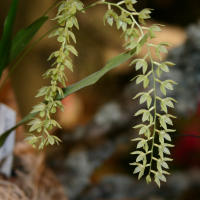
<point>44,128</point>
<point>113,4</point>
<point>50,8</point>
<point>121,2</point>
<point>155,112</point>
<point>13,68</point>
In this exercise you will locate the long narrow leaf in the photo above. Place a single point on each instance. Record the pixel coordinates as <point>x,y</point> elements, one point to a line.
<point>5,43</point>
<point>93,78</point>
<point>4,136</point>
<point>24,36</point>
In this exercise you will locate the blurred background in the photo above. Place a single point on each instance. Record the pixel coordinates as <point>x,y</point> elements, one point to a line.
<point>93,160</point>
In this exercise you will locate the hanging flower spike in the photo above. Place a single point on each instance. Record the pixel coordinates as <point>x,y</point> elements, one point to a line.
<point>135,39</point>
<point>62,58</point>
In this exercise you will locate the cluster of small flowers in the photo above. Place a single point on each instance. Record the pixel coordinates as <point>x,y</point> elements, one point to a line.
<point>66,20</point>
<point>135,39</point>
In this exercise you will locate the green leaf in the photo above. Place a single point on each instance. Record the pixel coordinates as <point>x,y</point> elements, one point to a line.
<point>141,144</point>
<point>68,64</point>
<point>162,49</point>
<point>39,107</point>
<point>165,135</point>
<point>158,71</point>
<point>75,22</point>
<point>167,119</point>
<point>151,119</point>
<point>144,79</point>
<point>148,179</point>
<point>34,121</point>
<point>162,177</point>
<point>159,167</point>
<point>133,45</point>
<point>158,54</point>
<point>124,26</point>
<point>141,173</point>
<point>144,39</point>
<point>152,34</point>
<point>140,79</point>
<point>139,94</point>
<point>69,23</point>
<point>119,23</point>
<point>163,106</point>
<point>139,126</point>
<point>137,169</point>
<point>138,48</point>
<point>137,139</point>
<point>24,36</point>
<point>139,64</point>
<point>42,113</point>
<point>133,1</point>
<point>144,14</point>
<point>166,150</point>
<point>152,29</point>
<point>164,164</point>
<point>93,78</point>
<point>72,49</point>
<point>35,126</point>
<point>148,132</point>
<point>144,68</point>
<point>140,157</point>
<point>110,20</point>
<point>145,116</point>
<point>169,63</point>
<point>145,82</point>
<point>169,145</point>
<point>168,85</point>
<point>168,159</point>
<point>155,28</point>
<point>137,152</point>
<point>161,139</point>
<point>72,36</point>
<point>164,67</point>
<point>160,152</point>
<point>143,130</point>
<point>169,103</point>
<point>51,140</point>
<point>157,180</point>
<point>163,124</point>
<point>162,88</point>
<point>139,112</point>
<point>143,98</point>
<point>149,100</point>
<point>129,5</point>
<point>165,43</point>
<point>53,110</point>
<point>5,43</point>
<point>170,81</point>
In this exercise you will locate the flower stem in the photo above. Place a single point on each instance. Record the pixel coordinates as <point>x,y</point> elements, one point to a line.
<point>155,112</point>
<point>50,7</point>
